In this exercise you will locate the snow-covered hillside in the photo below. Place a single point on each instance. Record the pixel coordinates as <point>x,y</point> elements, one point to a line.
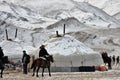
<point>33,10</point>
<point>109,6</point>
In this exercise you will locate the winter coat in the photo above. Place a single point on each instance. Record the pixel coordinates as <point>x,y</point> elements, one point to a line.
<point>43,52</point>
<point>25,59</point>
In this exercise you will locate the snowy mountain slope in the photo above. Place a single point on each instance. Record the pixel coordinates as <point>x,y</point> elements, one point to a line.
<point>112,7</point>
<point>90,19</point>
<point>97,12</point>
<point>71,25</point>
<point>47,7</point>
<point>100,39</point>
<point>24,17</point>
<point>29,17</point>
<point>109,6</point>
<point>25,40</point>
<point>117,16</point>
<point>60,10</point>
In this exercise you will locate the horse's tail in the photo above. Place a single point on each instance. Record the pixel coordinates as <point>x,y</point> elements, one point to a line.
<point>33,64</point>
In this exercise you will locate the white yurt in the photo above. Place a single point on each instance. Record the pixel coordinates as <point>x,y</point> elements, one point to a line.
<point>69,52</point>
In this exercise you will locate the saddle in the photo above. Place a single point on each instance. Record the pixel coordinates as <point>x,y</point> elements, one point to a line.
<point>43,58</point>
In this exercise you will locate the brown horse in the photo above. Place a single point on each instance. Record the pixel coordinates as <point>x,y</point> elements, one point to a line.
<point>106,59</point>
<point>42,63</point>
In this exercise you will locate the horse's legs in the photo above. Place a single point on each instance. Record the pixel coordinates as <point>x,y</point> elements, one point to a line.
<point>109,66</point>
<point>49,70</point>
<point>105,63</point>
<point>37,72</point>
<point>109,63</point>
<point>34,70</point>
<point>1,72</point>
<point>42,72</point>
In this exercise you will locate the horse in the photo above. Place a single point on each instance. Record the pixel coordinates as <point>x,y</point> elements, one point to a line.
<point>42,63</point>
<point>3,61</point>
<point>106,59</point>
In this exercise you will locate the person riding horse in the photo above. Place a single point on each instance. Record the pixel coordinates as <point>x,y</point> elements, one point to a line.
<point>1,54</point>
<point>43,52</point>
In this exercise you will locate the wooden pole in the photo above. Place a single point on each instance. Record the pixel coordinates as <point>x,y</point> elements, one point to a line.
<point>6,34</point>
<point>16,32</point>
<point>64,30</point>
<point>57,33</point>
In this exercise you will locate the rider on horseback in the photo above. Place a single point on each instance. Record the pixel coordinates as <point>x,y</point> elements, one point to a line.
<point>43,52</point>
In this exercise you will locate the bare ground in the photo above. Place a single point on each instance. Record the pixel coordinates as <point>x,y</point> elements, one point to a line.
<point>113,74</point>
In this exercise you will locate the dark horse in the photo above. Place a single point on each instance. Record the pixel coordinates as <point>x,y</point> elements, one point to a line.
<point>106,59</point>
<point>39,62</point>
<point>2,64</point>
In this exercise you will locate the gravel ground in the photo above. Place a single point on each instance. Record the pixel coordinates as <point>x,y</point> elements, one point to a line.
<point>106,75</point>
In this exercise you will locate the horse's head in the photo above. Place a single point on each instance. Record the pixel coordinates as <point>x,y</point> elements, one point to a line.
<point>50,58</point>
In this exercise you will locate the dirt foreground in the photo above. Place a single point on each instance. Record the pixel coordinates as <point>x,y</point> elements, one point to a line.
<point>106,75</point>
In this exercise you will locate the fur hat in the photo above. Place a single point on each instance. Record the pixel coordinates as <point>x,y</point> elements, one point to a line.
<point>42,46</point>
<point>24,51</point>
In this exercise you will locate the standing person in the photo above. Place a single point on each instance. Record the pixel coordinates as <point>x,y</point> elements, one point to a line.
<point>113,58</point>
<point>43,52</point>
<point>25,61</point>
<point>1,54</point>
<point>117,60</point>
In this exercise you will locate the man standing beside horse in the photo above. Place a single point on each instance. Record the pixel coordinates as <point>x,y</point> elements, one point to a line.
<point>25,61</point>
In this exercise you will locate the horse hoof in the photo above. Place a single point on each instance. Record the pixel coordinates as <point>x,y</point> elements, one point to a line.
<point>37,76</point>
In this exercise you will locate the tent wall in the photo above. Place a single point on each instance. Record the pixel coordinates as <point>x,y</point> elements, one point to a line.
<point>77,60</point>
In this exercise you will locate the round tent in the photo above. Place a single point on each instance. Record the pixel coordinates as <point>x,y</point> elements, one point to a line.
<point>69,52</point>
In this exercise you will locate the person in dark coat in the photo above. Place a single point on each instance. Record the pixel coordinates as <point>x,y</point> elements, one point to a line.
<point>43,52</point>
<point>1,53</point>
<point>117,60</point>
<point>24,61</point>
<point>113,58</point>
